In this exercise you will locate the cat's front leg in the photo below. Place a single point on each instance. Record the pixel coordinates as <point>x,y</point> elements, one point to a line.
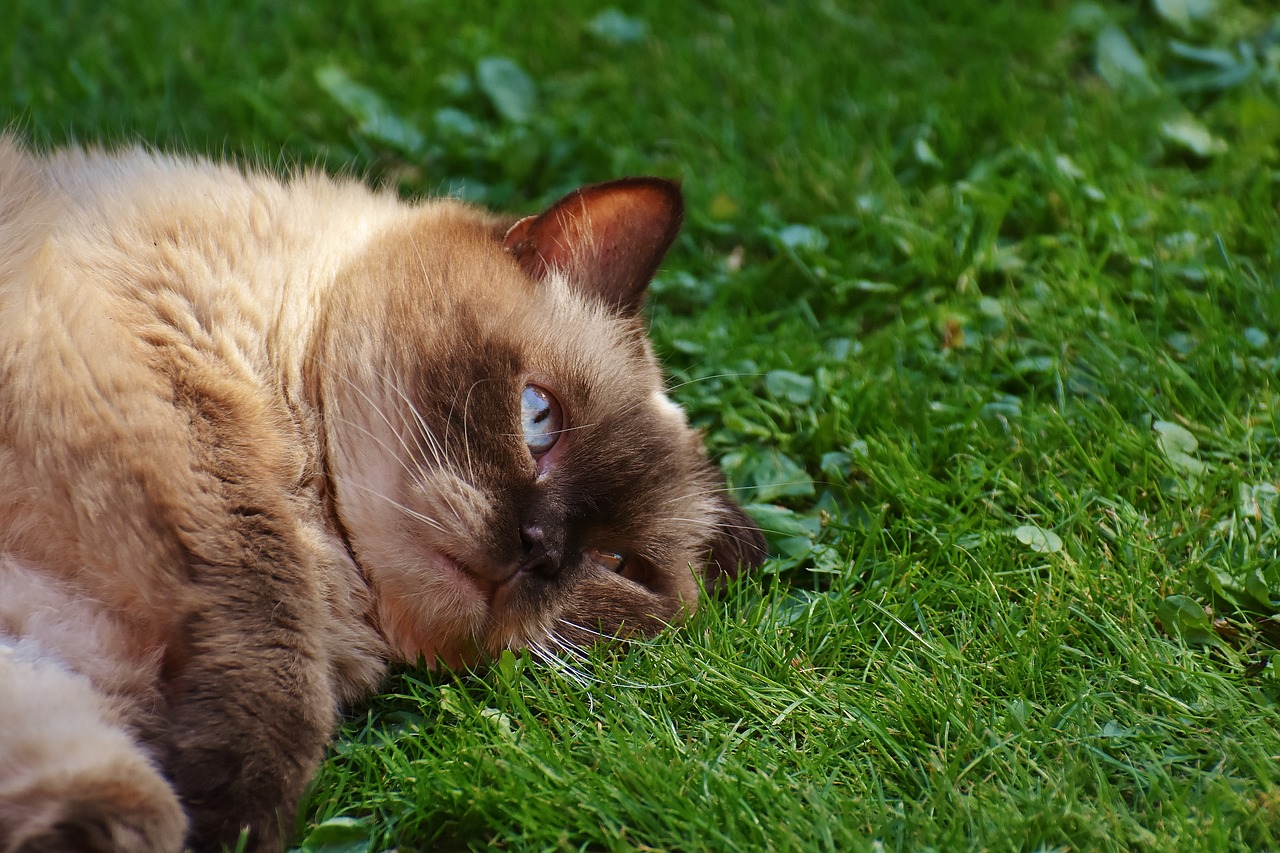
<point>251,699</point>
<point>251,704</point>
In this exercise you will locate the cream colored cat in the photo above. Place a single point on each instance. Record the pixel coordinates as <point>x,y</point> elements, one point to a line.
<point>260,438</point>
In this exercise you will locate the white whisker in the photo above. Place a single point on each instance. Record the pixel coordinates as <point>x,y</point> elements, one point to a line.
<point>377,409</point>
<point>580,654</point>
<point>433,445</point>
<point>412,513</point>
<point>702,493</point>
<point>560,667</point>
<point>434,451</point>
<point>680,385</point>
<point>415,473</point>
<point>466,438</point>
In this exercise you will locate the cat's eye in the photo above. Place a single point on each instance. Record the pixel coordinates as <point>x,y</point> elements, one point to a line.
<point>611,560</point>
<point>540,418</point>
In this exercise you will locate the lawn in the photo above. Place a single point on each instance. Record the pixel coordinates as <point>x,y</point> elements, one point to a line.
<point>979,306</point>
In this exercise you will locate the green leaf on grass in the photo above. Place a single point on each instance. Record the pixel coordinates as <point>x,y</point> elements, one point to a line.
<point>802,237</point>
<point>826,560</point>
<point>1068,168</point>
<point>1120,64</point>
<point>508,665</point>
<point>925,154</point>
<point>1248,587</point>
<point>867,286</point>
<point>1087,17</point>
<point>1256,338</point>
<point>1178,444</point>
<point>776,475</point>
<point>792,387</point>
<point>1260,591</point>
<point>837,465</point>
<point>1258,501</point>
<point>452,122</point>
<point>511,91</point>
<point>339,835</point>
<point>780,521</point>
<point>1184,13</point>
<point>1038,539</point>
<point>374,118</point>
<point>501,723</point>
<point>793,539</point>
<point>1187,132</point>
<point>1174,438</point>
<point>615,27</point>
<point>1182,617</point>
<point>452,704</point>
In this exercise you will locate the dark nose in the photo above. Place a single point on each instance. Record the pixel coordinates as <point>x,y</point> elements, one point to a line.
<point>543,549</point>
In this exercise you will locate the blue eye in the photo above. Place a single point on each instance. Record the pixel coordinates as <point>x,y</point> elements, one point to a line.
<point>540,418</point>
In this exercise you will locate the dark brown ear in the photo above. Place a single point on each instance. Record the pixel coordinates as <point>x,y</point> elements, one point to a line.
<point>738,546</point>
<point>607,238</point>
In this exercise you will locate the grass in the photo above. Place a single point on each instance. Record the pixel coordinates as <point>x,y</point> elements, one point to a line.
<point>979,305</point>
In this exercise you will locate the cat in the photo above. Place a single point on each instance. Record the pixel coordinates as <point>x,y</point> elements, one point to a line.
<point>261,438</point>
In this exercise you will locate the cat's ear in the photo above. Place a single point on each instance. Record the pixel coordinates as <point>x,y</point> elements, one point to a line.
<point>607,238</point>
<point>738,546</point>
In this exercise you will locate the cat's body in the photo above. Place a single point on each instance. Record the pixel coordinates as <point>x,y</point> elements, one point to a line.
<point>260,438</point>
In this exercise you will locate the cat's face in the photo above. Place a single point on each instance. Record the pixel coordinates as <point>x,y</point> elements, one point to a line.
<point>506,466</point>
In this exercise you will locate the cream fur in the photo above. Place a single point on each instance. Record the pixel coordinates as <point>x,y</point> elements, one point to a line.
<point>68,754</point>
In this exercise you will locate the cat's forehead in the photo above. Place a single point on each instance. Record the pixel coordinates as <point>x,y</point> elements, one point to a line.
<point>580,341</point>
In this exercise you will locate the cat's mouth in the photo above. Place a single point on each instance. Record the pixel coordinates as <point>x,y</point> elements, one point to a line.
<point>497,592</point>
<point>491,584</point>
<point>502,591</point>
<point>459,570</point>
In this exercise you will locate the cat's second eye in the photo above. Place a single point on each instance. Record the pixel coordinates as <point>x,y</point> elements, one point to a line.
<point>611,560</point>
<point>540,419</point>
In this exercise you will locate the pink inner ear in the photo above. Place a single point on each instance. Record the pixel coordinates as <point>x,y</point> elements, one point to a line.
<point>607,238</point>
<point>518,234</point>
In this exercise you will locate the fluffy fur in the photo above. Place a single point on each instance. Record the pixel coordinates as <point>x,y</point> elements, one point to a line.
<point>260,438</point>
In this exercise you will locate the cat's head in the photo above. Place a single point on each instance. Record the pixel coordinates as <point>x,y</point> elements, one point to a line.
<point>505,464</point>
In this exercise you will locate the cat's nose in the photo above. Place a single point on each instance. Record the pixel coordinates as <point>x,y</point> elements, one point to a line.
<point>543,551</point>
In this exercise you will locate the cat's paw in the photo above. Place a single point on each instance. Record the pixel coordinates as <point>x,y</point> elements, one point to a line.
<point>106,816</point>
<point>71,779</point>
<point>103,826</point>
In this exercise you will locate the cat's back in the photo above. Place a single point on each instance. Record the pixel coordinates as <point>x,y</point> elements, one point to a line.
<point>28,210</point>
<point>205,248</point>
<point>136,289</point>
